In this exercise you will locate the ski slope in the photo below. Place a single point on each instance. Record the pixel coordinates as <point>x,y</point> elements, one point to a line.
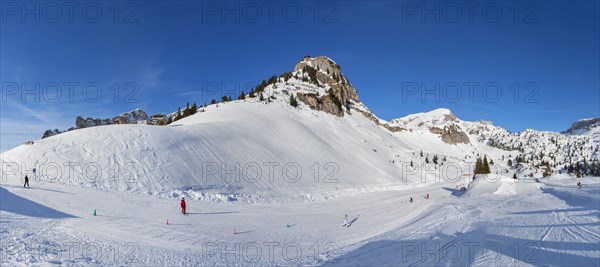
<point>502,223</point>
<point>233,152</point>
<point>268,185</point>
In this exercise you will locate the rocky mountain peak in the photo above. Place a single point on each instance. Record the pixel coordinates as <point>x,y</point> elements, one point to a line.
<point>124,118</point>
<point>321,62</point>
<point>436,117</point>
<point>582,126</point>
<point>324,72</point>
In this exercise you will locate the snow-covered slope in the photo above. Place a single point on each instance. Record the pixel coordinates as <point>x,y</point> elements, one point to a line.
<point>497,222</point>
<point>589,126</point>
<point>108,195</point>
<point>197,156</point>
<point>257,150</point>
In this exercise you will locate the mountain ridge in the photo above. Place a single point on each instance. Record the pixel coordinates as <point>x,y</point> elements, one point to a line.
<point>350,145</point>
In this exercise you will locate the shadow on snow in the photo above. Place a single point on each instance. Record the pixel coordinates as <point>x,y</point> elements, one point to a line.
<point>462,249</point>
<point>10,202</point>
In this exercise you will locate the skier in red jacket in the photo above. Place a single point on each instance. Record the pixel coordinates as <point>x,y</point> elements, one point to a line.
<point>183,206</point>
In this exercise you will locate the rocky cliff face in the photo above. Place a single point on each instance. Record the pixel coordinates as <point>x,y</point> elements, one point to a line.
<point>583,126</point>
<point>90,122</point>
<point>441,122</point>
<point>340,95</point>
<point>451,134</point>
<point>124,118</point>
<point>325,103</point>
<point>324,72</point>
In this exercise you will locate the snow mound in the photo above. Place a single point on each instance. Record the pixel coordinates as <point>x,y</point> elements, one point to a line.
<point>236,152</point>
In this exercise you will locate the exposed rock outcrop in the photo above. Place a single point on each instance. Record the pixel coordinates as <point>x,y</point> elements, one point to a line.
<point>326,73</point>
<point>341,96</point>
<point>325,103</point>
<point>451,135</point>
<point>376,120</point>
<point>124,118</point>
<point>582,126</point>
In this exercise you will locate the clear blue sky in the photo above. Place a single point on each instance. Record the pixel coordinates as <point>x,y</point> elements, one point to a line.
<point>172,49</point>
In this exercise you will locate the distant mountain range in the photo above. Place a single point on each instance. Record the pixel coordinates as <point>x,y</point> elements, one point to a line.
<point>310,115</point>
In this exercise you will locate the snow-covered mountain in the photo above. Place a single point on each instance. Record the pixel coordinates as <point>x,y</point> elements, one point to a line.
<point>268,180</point>
<point>585,127</point>
<point>124,118</point>
<point>329,144</point>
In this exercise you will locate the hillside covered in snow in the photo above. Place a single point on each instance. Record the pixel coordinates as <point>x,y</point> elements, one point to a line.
<point>285,162</point>
<point>307,126</point>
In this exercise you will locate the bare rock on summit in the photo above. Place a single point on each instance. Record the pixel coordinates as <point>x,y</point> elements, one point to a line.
<point>451,135</point>
<point>582,126</point>
<point>342,93</point>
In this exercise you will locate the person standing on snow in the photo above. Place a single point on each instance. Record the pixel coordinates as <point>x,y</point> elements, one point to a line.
<point>346,221</point>
<point>410,200</point>
<point>26,184</point>
<point>183,206</point>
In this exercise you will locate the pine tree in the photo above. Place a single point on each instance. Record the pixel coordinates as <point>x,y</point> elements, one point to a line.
<point>411,163</point>
<point>478,168</point>
<point>427,160</point>
<point>486,165</point>
<point>546,172</point>
<point>293,101</point>
<point>570,169</point>
<point>263,84</point>
<point>515,175</point>
<point>509,163</point>
<point>435,159</point>
<point>194,109</point>
<point>421,153</point>
<point>261,97</point>
<point>186,111</point>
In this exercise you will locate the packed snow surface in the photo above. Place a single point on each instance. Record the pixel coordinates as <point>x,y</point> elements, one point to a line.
<point>499,221</point>
<point>268,184</point>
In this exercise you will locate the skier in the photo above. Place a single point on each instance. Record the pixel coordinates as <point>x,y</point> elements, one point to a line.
<point>346,224</point>
<point>183,206</point>
<point>579,185</point>
<point>410,200</point>
<point>26,184</point>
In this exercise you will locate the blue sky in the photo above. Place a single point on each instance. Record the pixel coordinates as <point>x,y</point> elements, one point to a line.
<point>160,54</point>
